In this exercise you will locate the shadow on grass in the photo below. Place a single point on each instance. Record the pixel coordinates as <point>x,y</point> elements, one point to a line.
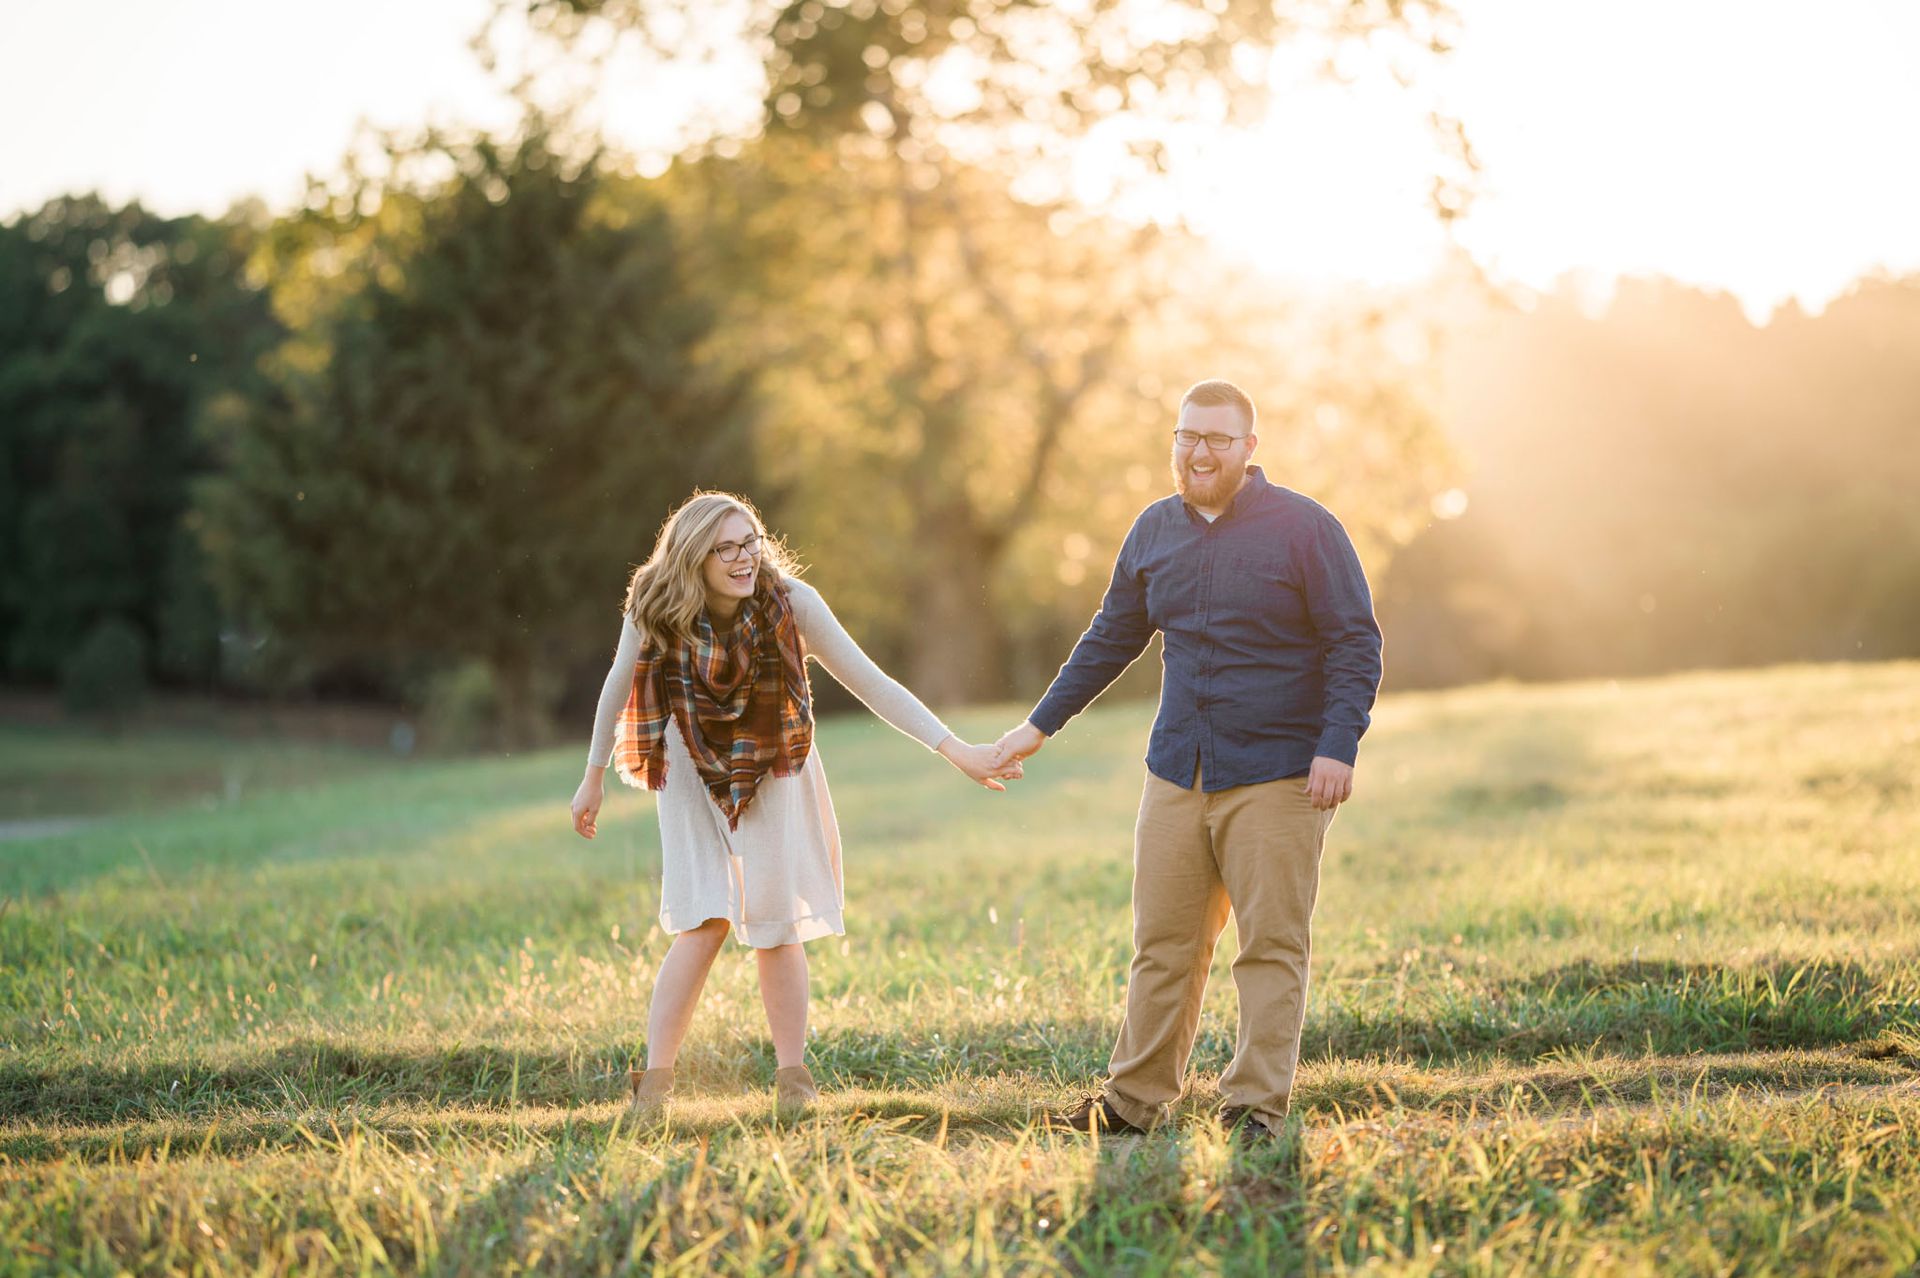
<point>1641,1010</point>
<point>967,1110</point>
<point>336,1076</point>
<point>1661,1007</point>
<point>1345,1089</point>
<point>1157,1202</point>
<point>964,1109</point>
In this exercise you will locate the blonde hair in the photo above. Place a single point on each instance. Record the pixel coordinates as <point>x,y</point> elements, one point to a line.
<point>666,593</point>
<point>1216,391</point>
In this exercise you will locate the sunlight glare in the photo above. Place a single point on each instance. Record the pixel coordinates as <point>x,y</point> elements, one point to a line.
<point>1331,187</point>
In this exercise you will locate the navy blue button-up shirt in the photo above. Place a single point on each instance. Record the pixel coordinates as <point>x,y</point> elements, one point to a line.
<point>1270,652</point>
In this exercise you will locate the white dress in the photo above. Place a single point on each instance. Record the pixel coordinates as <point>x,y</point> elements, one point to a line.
<point>777,877</point>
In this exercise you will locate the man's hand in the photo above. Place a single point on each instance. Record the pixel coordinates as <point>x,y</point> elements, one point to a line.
<point>981,762</point>
<point>1329,782</point>
<point>1021,743</point>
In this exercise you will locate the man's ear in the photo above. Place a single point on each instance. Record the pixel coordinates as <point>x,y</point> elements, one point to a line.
<point>1253,442</point>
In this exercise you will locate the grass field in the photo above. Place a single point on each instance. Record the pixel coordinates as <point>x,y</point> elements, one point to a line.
<point>1607,979</point>
<point>67,772</point>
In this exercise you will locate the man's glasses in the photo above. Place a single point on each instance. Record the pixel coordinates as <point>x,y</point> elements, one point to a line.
<point>1215,440</point>
<point>729,551</point>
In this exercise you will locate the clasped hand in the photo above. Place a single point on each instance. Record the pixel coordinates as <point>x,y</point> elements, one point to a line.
<point>984,763</point>
<point>992,764</point>
<point>1019,744</point>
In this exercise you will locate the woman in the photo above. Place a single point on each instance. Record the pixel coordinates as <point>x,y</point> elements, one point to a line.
<point>707,702</point>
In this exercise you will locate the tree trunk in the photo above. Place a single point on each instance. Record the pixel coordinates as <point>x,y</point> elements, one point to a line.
<point>524,723</point>
<point>958,655</point>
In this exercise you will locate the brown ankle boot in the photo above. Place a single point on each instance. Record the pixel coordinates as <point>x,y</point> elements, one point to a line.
<point>793,1087</point>
<point>649,1090</point>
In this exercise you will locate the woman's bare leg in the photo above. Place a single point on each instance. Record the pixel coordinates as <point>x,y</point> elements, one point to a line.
<point>676,990</point>
<point>783,991</point>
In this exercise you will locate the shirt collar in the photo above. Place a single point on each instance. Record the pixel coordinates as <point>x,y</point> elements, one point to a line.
<point>1250,491</point>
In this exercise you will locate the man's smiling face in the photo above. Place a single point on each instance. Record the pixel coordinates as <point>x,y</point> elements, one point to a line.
<point>1205,476</point>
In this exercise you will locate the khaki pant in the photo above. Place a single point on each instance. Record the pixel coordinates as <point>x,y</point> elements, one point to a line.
<point>1254,849</point>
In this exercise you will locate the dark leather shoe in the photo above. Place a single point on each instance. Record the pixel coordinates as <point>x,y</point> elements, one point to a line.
<point>1094,1112</point>
<point>1240,1122</point>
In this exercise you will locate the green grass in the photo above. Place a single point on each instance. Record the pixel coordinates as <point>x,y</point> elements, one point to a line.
<point>63,770</point>
<point>1607,979</point>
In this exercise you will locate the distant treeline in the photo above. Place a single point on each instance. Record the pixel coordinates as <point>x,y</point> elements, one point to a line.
<point>375,448</point>
<point>405,442</point>
<point>1667,486</point>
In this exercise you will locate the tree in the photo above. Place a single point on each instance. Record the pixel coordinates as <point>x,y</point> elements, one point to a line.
<point>1665,486</point>
<point>117,328</point>
<point>921,416</point>
<point>499,391</point>
<point>909,440</point>
<point>977,325</point>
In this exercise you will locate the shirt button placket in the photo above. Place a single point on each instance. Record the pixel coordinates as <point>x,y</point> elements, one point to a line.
<point>1202,702</point>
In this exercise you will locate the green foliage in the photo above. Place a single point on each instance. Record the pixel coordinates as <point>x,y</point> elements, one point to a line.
<point>117,327</point>
<point>988,358</point>
<point>107,674</point>
<point>937,354</point>
<point>1603,977</point>
<point>1016,82</point>
<point>995,379</point>
<point>462,707</point>
<point>498,390</point>
<point>998,378</point>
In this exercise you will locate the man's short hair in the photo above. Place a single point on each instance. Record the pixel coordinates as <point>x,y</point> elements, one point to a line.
<point>1216,390</point>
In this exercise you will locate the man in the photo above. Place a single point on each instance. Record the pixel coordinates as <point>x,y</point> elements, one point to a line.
<point>1271,661</point>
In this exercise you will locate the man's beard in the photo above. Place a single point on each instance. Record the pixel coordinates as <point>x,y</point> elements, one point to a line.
<point>1214,490</point>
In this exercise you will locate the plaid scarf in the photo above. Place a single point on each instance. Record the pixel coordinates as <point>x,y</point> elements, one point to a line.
<point>743,704</point>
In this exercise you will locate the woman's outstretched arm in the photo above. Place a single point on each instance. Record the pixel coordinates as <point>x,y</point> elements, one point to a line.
<point>606,718</point>
<point>829,643</point>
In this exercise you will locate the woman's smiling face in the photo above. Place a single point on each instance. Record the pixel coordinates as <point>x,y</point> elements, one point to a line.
<point>727,584</point>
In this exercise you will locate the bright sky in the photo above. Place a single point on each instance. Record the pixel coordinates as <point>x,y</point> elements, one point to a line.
<point>1761,147</point>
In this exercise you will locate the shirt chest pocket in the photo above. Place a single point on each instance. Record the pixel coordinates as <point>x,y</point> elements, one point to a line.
<point>1261,582</point>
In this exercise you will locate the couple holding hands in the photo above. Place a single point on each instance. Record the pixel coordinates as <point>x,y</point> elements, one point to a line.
<point>1271,661</point>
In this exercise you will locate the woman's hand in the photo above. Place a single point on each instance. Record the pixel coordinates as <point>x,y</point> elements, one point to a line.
<point>586,802</point>
<point>979,762</point>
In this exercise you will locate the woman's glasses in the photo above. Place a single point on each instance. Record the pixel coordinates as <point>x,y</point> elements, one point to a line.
<point>729,551</point>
